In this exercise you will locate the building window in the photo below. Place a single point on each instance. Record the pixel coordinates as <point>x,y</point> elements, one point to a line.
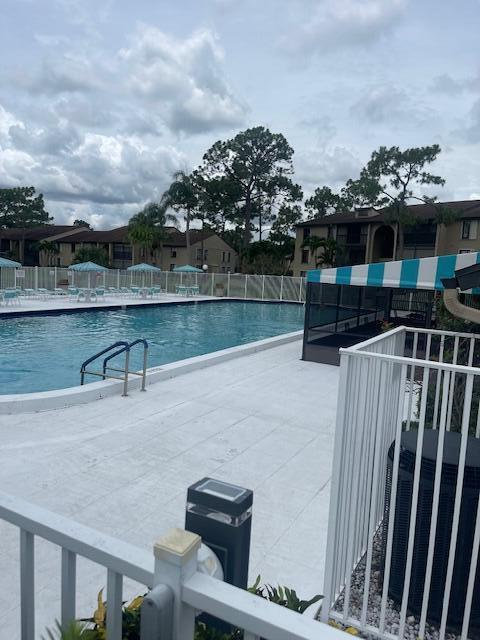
<point>465,251</point>
<point>303,274</point>
<point>224,254</point>
<point>173,253</point>
<point>305,256</point>
<point>469,230</point>
<point>172,267</point>
<point>199,254</point>
<point>229,269</point>
<point>72,247</point>
<point>228,256</point>
<point>122,252</point>
<point>306,232</point>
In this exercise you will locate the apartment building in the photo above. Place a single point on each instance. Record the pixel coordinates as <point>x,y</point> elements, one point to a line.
<point>206,248</point>
<point>366,235</point>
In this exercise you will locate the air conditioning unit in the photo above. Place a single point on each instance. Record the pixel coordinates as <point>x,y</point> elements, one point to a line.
<point>466,526</point>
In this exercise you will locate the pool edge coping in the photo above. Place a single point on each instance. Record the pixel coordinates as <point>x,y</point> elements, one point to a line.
<point>73,396</point>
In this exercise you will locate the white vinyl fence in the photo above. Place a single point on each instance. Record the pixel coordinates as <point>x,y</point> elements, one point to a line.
<point>192,591</point>
<point>256,287</point>
<point>404,528</point>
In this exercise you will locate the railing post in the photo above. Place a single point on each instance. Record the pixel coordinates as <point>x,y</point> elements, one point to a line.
<point>36,278</point>
<point>228,284</point>
<point>55,277</point>
<point>246,282</point>
<point>27,585</point>
<point>281,287</point>
<point>213,278</point>
<point>166,281</point>
<point>300,290</point>
<point>175,562</point>
<point>144,377</point>
<point>333,518</point>
<point>118,278</point>
<point>127,364</point>
<point>114,605</point>
<point>68,587</point>
<point>263,287</point>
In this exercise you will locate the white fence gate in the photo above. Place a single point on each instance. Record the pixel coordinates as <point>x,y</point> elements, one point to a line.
<point>404,529</point>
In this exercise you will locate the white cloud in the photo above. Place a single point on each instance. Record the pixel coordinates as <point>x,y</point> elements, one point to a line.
<point>392,105</point>
<point>341,24</point>
<point>183,79</point>
<point>331,166</point>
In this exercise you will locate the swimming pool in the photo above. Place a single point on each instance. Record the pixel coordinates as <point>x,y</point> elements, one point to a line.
<point>41,353</point>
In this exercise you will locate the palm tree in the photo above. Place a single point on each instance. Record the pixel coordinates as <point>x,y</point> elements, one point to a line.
<point>329,253</point>
<point>147,227</point>
<point>182,195</point>
<point>329,250</point>
<point>50,249</point>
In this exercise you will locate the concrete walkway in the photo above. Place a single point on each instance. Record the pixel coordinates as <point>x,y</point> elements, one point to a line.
<point>65,303</point>
<point>123,465</point>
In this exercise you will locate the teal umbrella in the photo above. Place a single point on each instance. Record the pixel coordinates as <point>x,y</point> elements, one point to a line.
<point>143,268</point>
<point>88,267</point>
<point>9,264</point>
<point>187,268</point>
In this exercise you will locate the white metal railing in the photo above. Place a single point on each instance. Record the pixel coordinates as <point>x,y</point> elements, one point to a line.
<point>424,382</point>
<point>192,590</point>
<point>238,285</point>
<point>119,559</point>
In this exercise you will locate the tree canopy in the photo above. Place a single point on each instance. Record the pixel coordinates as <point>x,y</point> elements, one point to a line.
<point>22,207</point>
<point>182,195</point>
<point>147,227</point>
<point>82,223</point>
<point>254,168</point>
<point>91,254</point>
<point>393,179</point>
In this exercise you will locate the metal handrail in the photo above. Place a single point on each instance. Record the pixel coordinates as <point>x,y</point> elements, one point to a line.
<point>127,348</point>
<point>124,348</point>
<point>97,355</point>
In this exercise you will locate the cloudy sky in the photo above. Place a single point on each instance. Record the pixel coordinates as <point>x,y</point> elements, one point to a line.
<point>102,100</point>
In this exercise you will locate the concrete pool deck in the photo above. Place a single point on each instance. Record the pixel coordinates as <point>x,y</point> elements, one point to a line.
<point>122,465</point>
<point>58,304</point>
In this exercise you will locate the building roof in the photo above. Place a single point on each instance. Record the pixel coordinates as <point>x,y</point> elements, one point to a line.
<point>174,238</point>
<point>38,233</point>
<point>71,233</point>
<point>424,212</point>
<point>87,235</point>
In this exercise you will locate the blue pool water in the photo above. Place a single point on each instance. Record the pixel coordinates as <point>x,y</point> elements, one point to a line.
<point>40,353</point>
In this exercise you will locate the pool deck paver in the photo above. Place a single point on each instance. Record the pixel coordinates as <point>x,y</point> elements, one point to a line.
<point>65,303</point>
<point>123,465</point>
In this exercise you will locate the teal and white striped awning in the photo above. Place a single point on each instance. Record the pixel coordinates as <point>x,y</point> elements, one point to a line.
<point>419,273</point>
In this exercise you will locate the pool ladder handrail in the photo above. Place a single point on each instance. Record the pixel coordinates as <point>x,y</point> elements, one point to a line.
<point>124,348</point>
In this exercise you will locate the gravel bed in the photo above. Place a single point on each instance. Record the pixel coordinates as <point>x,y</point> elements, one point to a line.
<point>392,616</point>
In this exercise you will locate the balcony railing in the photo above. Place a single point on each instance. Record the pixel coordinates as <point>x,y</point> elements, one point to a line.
<point>404,528</point>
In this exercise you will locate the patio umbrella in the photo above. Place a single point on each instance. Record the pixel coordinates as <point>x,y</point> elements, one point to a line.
<point>88,267</point>
<point>10,264</point>
<point>187,268</point>
<point>143,268</point>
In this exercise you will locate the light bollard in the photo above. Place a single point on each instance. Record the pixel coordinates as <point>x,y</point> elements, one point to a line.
<point>221,513</point>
